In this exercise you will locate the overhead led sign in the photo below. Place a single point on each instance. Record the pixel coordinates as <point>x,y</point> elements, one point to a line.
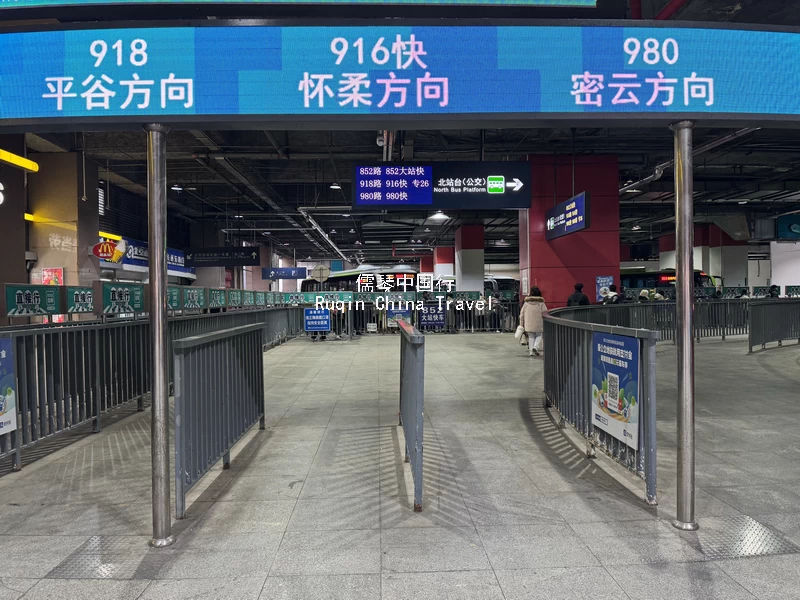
<point>567,217</point>
<point>251,73</point>
<point>440,185</point>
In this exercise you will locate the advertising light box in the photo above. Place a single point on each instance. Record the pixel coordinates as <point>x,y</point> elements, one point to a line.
<point>443,185</point>
<point>567,217</point>
<point>497,73</point>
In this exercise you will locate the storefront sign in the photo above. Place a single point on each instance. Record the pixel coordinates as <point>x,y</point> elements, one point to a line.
<point>567,217</point>
<point>274,273</point>
<point>8,387</point>
<point>120,298</point>
<point>510,72</point>
<point>223,257</point>
<point>443,185</point>
<point>317,319</point>
<point>79,299</point>
<point>32,300</point>
<point>615,389</point>
<point>135,255</point>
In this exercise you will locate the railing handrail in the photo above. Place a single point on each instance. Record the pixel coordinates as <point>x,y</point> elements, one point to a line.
<point>411,333</point>
<point>214,336</point>
<point>644,334</point>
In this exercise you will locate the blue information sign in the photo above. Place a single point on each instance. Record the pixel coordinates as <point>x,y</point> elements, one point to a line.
<point>432,316</point>
<point>184,74</point>
<point>615,386</point>
<point>283,273</point>
<point>8,386</point>
<point>393,185</point>
<point>568,217</point>
<point>317,319</point>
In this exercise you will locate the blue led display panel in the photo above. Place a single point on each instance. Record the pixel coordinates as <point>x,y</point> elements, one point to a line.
<point>393,184</point>
<point>328,72</point>
<point>567,217</point>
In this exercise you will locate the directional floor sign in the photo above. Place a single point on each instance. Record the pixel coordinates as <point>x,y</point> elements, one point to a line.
<point>443,185</point>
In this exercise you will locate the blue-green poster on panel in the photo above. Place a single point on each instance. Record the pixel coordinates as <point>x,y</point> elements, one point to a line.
<point>615,386</point>
<point>8,386</point>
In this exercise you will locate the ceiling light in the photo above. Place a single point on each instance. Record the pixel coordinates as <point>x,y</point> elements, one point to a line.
<point>636,227</point>
<point>286,244</point>
<point>352,231</point>
<point>265,233</point>
<point>346,215</point>
<point>335,186</point>
<point>176,187</point>
<point>399,241</point>
<point>238,217</point>
<point>191,189</point>
<point>372,242</point>
<point>358,243</point>
<point>633,191</point>
<point>427,230</point>
<point>333,231</point>
<point>743,201</point>
<point>439,215</point>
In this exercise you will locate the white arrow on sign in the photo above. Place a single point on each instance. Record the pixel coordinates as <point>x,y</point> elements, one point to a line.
<point>516,184</point>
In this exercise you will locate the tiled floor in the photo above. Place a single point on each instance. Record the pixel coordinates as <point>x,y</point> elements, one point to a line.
<point>319,505</point>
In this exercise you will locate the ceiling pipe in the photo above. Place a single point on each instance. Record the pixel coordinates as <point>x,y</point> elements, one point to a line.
<point>321,231</point>
<point>275,145</point>
<point>661,167</point>
<point>672,7</point>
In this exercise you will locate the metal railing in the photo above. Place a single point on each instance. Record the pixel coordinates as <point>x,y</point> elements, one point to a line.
<point>219,396</point>
<point>569,387</point>
<point>69,376</point>
<point>773,321</point>
<point>412,401</point>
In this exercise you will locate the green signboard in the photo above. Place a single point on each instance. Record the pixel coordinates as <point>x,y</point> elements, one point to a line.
<point>466,295</point>
<point>31,300</point>
<point>261,298</point>
<point>371,297</point>
<point>173,297</point>
<point>217,298</point>
<point>234,298</point>
<point>79,300</point>
<point>194,298</point>
<point>793,291</point>
<point>311,297</point>
<point>248,298</point>
<point>118,298</point>
<point>761,291</point>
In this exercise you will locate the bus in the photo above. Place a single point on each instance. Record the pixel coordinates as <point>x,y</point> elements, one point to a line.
<point>635,279</point>
<point>501,285</point>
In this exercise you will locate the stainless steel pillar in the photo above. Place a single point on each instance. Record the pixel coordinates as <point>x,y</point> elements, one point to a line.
<point>159,397</point>
<point>684,271</point>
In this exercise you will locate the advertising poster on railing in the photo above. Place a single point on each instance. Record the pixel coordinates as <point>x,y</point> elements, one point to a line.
<point>615,386</point>
<point>601,286</point>
<point>393,315</point>
<point>8,387</point>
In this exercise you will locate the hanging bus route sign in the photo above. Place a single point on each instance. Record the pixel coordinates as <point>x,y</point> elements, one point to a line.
<point>444,185</point>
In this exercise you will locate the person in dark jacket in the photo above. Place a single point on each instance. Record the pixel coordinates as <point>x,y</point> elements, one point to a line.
<point>578,298</point>
<point>611,297</point>
<point>774,291</point>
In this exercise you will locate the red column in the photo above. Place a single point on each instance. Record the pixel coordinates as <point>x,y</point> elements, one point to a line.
<point>426,264</point>
<point>469,258</point>
<point>555,266</point>
<point>444,259</point>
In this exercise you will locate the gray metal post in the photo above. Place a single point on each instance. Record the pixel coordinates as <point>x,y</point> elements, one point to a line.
<point>684,271</point>
<point>159,405</point>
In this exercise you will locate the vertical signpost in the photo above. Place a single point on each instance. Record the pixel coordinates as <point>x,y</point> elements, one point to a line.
<point>684,242</point>
<point>159,405</point>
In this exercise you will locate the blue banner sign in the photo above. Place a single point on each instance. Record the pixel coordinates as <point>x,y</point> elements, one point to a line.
<point>568,217</point>
<point>317,319</point>
<point>181,74</point>
<point>283,273</point>
<point>615,386</point>
<point>8,387</point>
<point>789,227</point>
<point>601,285</point>
<point>138,255</point>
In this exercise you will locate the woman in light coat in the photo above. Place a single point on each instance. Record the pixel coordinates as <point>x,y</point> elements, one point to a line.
<point>530,317</point>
